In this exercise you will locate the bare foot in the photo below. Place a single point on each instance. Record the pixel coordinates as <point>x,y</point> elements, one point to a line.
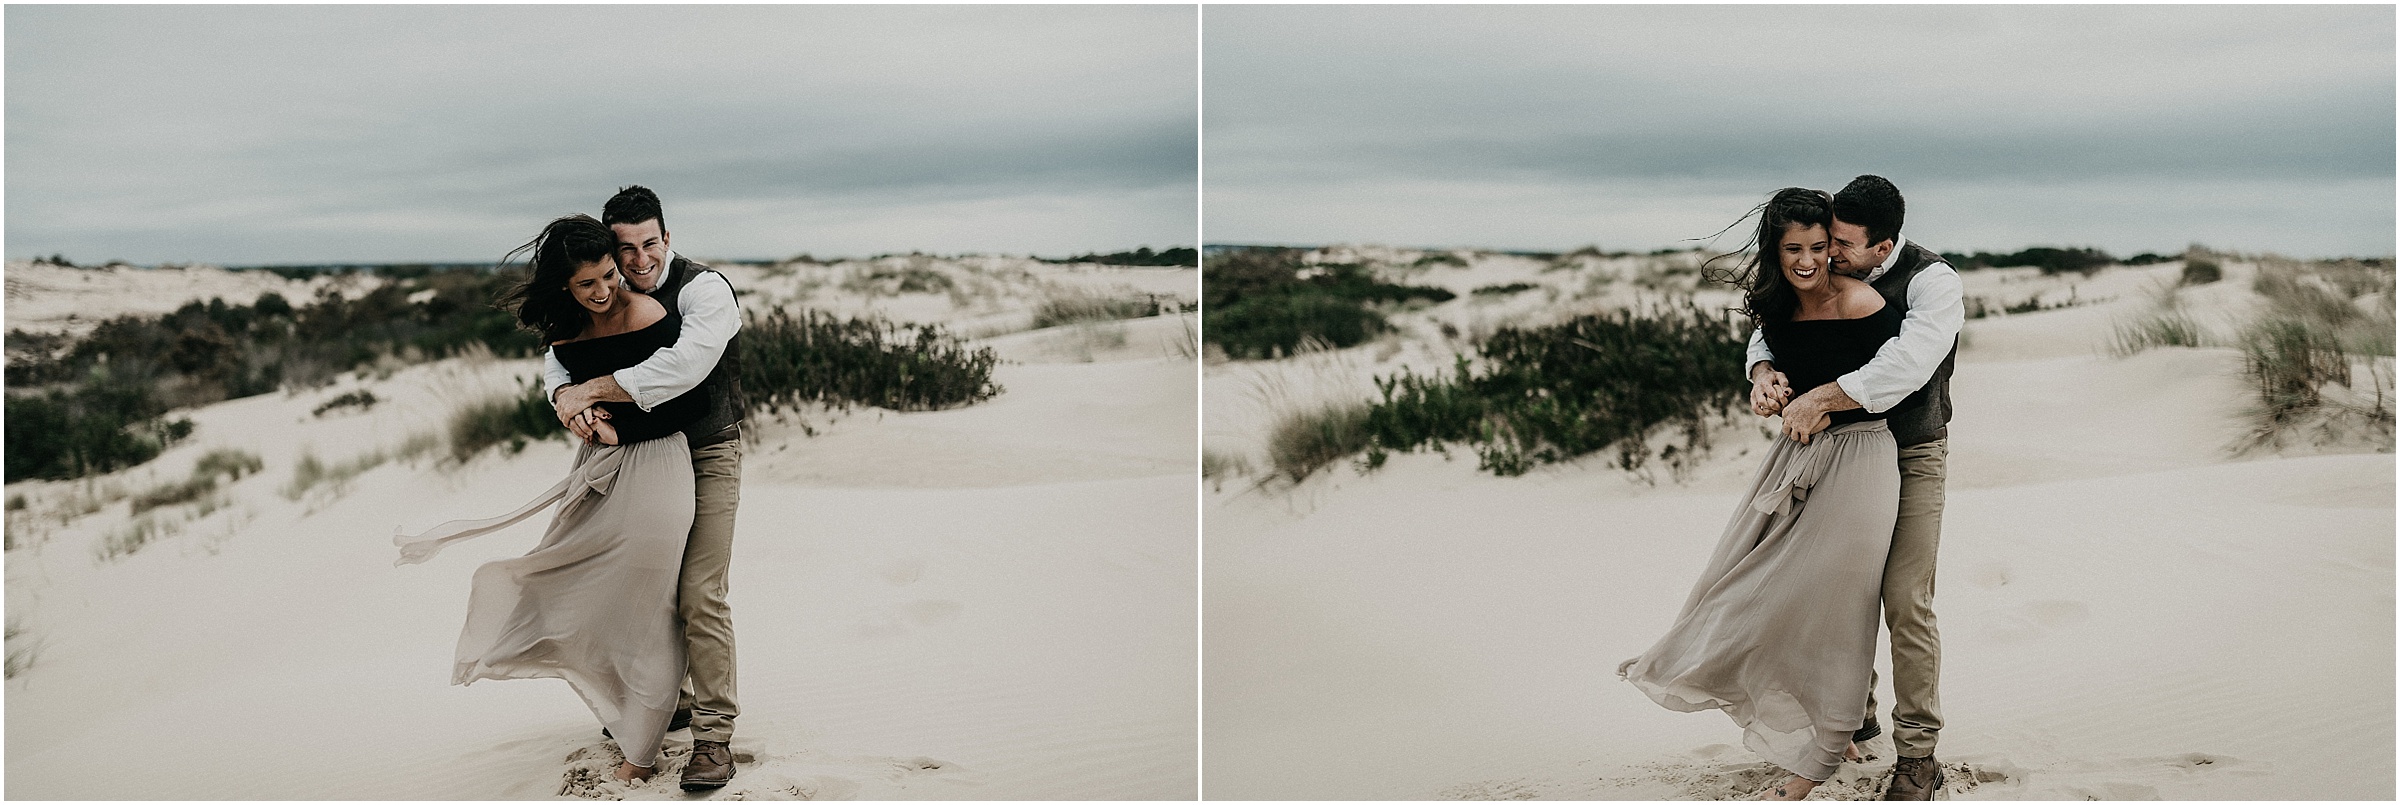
<point>1853,754</point>
<point>1794,788</point>
<point>628,773</point>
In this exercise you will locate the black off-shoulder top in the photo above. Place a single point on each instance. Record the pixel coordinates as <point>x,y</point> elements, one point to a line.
<point>1814,352</point>
<point>594,357</point>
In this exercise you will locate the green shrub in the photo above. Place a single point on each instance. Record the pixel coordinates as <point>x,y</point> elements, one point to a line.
<point>1259,306</point>
<point>229,462</point>
<point>1178,256</point>
<point>360,399</point>
<point>1504,290</point>
<point>2201,271</point>
<point>788,361</point>
<point>1553,394</point>
<point>98,427</point>
<point>174,492</point>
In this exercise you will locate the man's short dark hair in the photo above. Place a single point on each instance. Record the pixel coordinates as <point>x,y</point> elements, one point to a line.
<point>1869,201</point>
<point>632,205</point>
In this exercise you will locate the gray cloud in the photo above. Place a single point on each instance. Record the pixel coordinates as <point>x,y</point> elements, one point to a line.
<point>2031,109</point>
<point>278,133</point>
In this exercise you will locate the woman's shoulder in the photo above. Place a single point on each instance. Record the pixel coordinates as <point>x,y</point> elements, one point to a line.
<point>1861,300</point>
<point>646,310</point>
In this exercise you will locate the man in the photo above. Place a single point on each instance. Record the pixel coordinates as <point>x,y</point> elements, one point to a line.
<point>1910,379</point>
<point>705,356</point>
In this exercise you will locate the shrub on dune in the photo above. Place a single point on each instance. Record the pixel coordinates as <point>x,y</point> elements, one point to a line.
<point>1554,394</point>
<point>1263,303</point>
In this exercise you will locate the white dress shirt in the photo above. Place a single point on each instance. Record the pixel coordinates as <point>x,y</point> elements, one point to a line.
<point>710,319</point>
<point>1936,312</point>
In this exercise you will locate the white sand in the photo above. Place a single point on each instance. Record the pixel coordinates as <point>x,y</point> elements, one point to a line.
<point>2127,611</point>
<point>993,602</point>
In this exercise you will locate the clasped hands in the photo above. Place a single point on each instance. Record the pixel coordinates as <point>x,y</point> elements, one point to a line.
<point>579,412</point>
<point>1771,394</point>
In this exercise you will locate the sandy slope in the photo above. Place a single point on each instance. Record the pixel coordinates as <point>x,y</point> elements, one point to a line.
<point>2128,613</point>
<point>994,602</point>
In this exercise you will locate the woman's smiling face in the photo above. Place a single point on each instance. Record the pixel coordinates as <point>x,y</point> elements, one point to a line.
<point>596,285</point>
<point>1804,250</point>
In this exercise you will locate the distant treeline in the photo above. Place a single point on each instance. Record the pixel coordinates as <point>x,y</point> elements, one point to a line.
<point>2051,260</point>
<point>1179,256</point>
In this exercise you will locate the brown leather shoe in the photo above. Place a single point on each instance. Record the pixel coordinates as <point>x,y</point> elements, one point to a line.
<point>711,766</point>
<point>1913,778</point>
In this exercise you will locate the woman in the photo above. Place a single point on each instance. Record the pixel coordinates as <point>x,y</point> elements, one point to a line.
<point>1780,630</point>
<point>594,602</point>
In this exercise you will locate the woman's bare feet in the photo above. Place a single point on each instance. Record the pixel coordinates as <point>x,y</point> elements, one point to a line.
<point>1854,754</point>
<point>629,773</point>
<point>1793,788</point>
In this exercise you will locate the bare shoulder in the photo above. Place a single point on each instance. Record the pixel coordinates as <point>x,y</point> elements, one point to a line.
<point>646,311</point>
<point>1860,300</point>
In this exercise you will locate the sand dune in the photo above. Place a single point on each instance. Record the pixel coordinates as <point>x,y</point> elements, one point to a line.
<point>2128,611</point>
<point>993,602</point>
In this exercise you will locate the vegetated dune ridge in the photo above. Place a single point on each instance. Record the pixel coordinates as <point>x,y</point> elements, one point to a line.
<point>2128,610</point>
<point>991,602</point>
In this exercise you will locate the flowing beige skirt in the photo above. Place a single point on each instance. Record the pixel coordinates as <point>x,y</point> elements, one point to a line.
<point>594,602</point>
<point>1780,631</point>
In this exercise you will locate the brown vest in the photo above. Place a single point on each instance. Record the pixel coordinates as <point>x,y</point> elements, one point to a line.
<point>1925,415</point>
<point>726,404</point>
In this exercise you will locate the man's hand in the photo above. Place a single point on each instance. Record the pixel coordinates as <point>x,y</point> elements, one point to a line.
<point>1769,389</point>
<point>1812,412</point>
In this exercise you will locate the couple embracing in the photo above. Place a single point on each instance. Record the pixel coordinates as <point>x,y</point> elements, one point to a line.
<point>624,597</point>
<point>1844,516</point>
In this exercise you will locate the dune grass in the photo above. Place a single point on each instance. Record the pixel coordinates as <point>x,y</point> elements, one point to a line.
<point>2165,323</point>
<point>311,472</point>
<point>2320,319</point>
<point>1074,305</point>
<point>512,420</point>
<point>1308,440</point>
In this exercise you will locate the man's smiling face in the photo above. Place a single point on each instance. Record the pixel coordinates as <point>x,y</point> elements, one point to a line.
<point>642,253</point>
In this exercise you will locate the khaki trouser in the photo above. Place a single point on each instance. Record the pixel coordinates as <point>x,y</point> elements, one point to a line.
<point>1908,601</point>
<point>708,687</point>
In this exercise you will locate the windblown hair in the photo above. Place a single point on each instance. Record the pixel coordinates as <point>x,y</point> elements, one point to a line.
<point>633,204</point>
<point>1767,296</point>
<point>1872,202</point>
<point>542,303</point>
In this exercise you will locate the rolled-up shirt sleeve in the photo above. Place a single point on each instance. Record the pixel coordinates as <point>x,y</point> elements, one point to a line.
<point>1936,312</point>
<point>1758,351</point>
<point>554,375</point>
<point>710,319</point>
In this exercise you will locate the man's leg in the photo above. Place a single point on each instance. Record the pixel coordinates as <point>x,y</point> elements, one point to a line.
<point>708,689</point>
<point>1908,600</point>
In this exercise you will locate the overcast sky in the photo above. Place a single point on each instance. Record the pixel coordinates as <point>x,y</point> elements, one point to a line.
<point>257,134</point>
<point>2130,128</point>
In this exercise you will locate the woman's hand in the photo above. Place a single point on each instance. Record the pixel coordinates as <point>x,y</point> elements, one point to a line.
<point>604,433</point>
<point>590,422</point>
<point>1769,391</point>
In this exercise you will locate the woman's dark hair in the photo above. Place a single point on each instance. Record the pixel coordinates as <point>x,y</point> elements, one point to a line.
<point>1767,296</point>
<point>542,303</point>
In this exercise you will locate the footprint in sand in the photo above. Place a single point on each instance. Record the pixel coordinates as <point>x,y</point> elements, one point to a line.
<point>1988,577</point>
<point>904,618</point>
<point>902,572</point>
<point>2037,618</point>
